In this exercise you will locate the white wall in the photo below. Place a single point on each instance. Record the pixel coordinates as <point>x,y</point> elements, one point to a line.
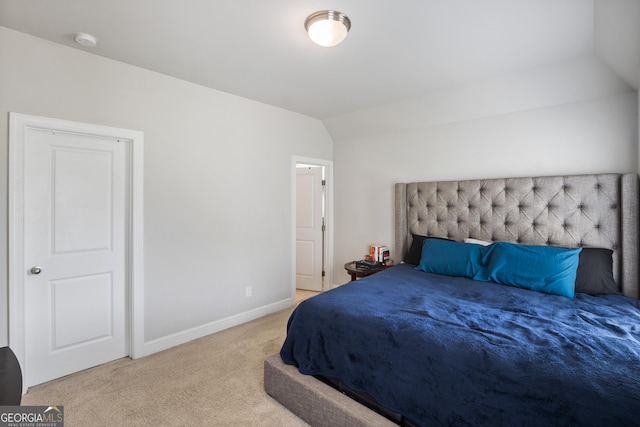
<point>617,37</point>
<point>571,118</point>
<point>217,180</point>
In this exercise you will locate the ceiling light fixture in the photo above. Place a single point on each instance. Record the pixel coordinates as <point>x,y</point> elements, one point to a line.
<point>86,40</point>
<point>327,27</point>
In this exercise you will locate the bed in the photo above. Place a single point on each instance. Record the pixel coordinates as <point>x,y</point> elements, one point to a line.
<point>450,338</point>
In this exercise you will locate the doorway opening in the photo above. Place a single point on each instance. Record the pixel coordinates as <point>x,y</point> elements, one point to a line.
<point>312,228</point>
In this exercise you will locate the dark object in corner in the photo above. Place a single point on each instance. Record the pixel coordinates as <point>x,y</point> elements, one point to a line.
<point>10,378</point>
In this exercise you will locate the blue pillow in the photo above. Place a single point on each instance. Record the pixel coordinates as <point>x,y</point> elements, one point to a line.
<point>451,258</point>
<point>539,268</point>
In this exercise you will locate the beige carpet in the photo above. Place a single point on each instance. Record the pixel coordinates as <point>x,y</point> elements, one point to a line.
<point>213,381</point>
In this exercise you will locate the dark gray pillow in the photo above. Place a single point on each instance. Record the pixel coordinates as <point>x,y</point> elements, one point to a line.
<point>415,251</point>
<point>595,272</point>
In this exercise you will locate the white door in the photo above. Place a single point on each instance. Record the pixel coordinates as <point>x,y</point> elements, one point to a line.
<point>309,213</point>
<point>76,189</point>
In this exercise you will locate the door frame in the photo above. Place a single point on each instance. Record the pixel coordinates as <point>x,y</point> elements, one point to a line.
<point>18,125</point>
<point>328,165</point>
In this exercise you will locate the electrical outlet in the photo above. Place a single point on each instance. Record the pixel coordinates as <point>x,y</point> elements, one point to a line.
<point>247,291</point>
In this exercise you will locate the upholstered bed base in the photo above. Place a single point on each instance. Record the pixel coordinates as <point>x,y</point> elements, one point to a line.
<point>314,401</point>
<point>570,211</point>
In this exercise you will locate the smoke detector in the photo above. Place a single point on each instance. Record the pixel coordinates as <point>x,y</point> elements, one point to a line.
<point>86,40</point>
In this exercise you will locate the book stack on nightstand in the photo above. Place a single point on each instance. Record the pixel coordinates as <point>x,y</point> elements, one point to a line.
<point>379,254</point>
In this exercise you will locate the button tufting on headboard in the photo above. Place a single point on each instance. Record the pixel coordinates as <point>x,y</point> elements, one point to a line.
<point>557,210</point>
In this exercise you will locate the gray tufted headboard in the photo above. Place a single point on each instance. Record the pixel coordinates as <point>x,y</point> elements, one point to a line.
<point>569,211</point>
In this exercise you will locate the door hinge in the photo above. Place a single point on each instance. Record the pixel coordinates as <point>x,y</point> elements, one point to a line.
<point>322,273</point>
<point>323,227</point>
<point>324,182</point>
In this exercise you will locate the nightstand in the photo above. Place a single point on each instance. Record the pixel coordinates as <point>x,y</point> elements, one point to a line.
<point>356,272</point>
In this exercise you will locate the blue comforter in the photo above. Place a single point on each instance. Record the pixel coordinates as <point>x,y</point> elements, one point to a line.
<point>452,351</point>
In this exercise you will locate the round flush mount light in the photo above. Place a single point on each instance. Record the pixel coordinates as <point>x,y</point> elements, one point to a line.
<point>86,40</point>
<point>327,27</point>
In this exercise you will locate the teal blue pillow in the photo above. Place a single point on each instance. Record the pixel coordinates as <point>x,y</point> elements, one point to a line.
<point>451,258</point>
<point>539,268</point>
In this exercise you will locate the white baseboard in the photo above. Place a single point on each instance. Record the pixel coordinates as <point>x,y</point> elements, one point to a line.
<point>187,335</point>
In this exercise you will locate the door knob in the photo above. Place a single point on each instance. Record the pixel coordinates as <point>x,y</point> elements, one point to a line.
<point>36,270</point>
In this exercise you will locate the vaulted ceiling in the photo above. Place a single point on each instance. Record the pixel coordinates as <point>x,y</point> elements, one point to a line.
<point>395,50</point>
